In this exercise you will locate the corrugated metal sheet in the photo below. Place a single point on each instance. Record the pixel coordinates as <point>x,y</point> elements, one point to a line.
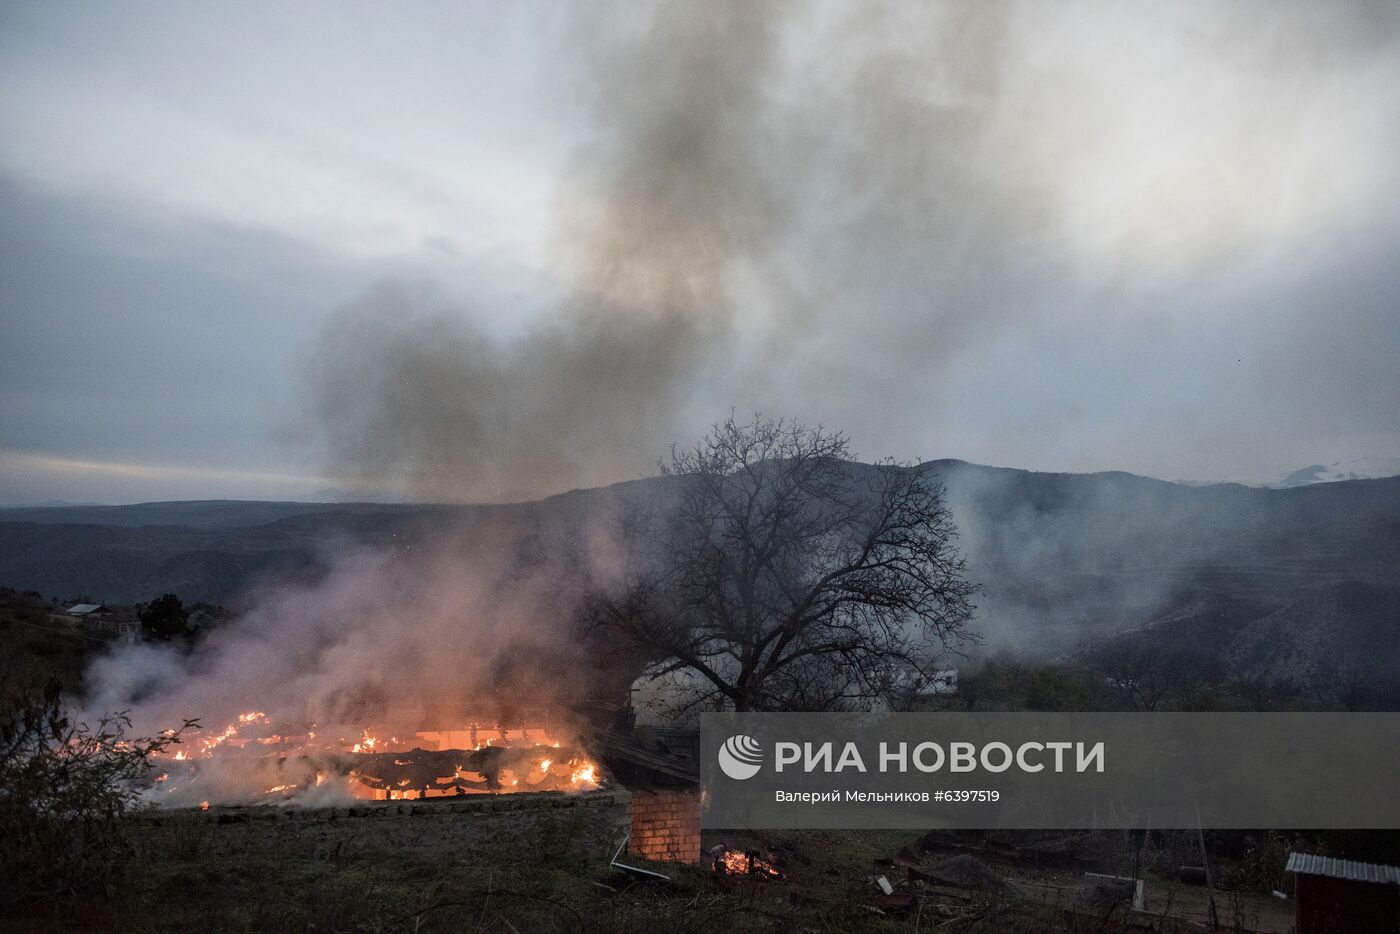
<point>79,609</point>
<point>1311,865</point>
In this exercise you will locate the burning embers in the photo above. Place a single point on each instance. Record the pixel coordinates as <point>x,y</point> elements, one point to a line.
<point>727,861</point>
<point>539,764</point>
<point>250,761</point>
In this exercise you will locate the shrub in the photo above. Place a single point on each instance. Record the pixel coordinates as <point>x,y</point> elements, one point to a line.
<point>64,787</point>
<point>165,617</point>
<point>1261,869</point>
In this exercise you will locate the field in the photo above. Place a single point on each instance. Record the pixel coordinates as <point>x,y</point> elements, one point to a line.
<point>44,644</point>
<point>537,865</point>
<point>435,867</point>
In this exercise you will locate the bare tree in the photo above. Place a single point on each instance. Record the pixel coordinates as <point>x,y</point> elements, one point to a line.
<point>778,575</point>
<point>1147,678</point>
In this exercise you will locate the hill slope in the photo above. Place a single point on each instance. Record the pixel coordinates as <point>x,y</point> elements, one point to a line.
<point>1062,557</point>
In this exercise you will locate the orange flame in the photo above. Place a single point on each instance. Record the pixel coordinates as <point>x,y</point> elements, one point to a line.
<point>533,760</point>
<point>739,863</point>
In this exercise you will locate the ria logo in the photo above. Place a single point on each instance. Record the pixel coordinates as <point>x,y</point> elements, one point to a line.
<point>740,757</point>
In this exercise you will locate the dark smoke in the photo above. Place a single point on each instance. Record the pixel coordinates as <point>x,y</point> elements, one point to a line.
<point>836,212</point>
<point>724,163</point>
<point>658,212</point>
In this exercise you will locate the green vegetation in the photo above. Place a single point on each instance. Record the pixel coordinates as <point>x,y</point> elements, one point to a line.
<point>164,618</point>
<point>44,645</point>
<point>548,871</point>
<point>355,875</point>
<point>65,788</point>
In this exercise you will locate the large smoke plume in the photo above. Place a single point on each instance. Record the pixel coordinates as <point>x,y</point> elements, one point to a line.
<point>660,211</point>
<point>870,215</point>
<point>458,623</point>
<point>755,203</point>
<point>393,638</point>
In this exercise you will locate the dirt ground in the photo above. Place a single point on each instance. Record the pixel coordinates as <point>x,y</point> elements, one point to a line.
<point>427,867</point>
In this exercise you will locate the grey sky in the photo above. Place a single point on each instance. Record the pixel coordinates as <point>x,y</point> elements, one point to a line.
<point>1070,237</point>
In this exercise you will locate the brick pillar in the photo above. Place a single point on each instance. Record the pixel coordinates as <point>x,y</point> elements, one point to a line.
<point>666,825</point>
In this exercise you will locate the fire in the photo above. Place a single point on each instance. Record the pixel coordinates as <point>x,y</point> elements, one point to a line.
<point>204,805</point>
<point>283,761</point>
<point>229,732</point>
<point>729,862</point>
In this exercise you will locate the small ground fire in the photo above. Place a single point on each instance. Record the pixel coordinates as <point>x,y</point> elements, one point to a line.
<point>727,861</point>
<point>252,760</point>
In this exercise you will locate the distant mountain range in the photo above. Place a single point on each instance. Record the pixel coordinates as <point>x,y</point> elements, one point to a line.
<point>1362,468</point>
<point>1062,557</point>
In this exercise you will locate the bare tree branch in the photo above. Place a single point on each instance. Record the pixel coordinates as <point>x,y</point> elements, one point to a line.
<point>788,577</point>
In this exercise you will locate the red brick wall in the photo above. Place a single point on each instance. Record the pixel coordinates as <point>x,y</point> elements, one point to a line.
<point>666,826</point>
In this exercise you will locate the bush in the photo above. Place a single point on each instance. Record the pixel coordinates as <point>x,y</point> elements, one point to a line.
<point>165,617</point>
<point>1261,869</point>
<point>64,787</point>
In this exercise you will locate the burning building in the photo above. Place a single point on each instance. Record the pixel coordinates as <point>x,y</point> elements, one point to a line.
<point>257,760</point>
<point>447,674</point>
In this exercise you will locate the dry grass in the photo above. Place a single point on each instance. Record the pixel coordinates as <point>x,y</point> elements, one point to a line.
<point>543,871</point>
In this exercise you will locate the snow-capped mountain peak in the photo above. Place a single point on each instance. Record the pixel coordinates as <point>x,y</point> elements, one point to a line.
<point>1361,468</point>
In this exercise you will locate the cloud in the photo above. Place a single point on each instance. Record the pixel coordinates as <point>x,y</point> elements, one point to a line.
<point>339,135</point>
<point>28,473</point>
<point>1064,237</point>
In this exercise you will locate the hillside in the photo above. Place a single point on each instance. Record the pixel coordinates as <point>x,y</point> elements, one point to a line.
<point>1061,557</point>
<point>1338,631</point>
